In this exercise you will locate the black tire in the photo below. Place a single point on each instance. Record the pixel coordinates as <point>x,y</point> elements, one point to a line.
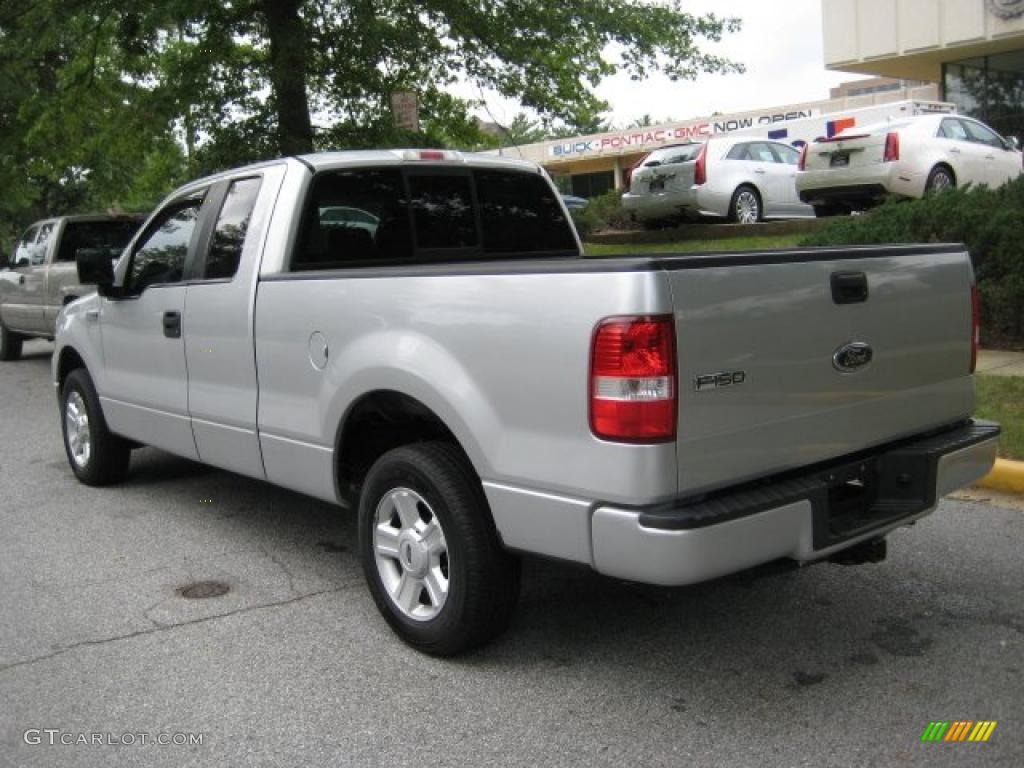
<point>109,455</point>
<point>482,577</point>
<point>10,344</point>
<point>747,195</point>
<point>940,179</point>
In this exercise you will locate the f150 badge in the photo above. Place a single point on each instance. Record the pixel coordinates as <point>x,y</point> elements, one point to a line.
<point>851,357</point>
<point>718,380</point>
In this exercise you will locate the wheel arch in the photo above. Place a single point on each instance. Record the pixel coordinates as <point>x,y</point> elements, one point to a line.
<point>68,360</point>
<point>378,421</point>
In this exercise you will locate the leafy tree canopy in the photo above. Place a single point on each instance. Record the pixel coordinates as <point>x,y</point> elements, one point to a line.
<point>100,100</point>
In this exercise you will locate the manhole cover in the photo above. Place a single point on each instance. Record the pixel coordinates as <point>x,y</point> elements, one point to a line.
<point>203,589</point>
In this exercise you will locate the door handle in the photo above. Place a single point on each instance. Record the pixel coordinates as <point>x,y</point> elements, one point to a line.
<point>172,325</point>
<point>954,151</point>
<point>990,157</point>
<point>849,287</point>
<point>92,315</point>
<point>759,171</point>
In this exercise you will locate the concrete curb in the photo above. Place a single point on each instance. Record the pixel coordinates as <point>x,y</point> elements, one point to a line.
<point>1005,476</point>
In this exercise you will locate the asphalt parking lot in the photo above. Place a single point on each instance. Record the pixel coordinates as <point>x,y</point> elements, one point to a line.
<point>826,666</point>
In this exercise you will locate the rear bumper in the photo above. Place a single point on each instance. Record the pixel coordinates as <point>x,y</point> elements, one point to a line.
<point>658,205</point>
<point>852,194</point>
<point>804,517</point>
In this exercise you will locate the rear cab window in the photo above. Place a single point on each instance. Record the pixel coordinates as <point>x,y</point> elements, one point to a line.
<point>108,236</point>
<point>391,216</point>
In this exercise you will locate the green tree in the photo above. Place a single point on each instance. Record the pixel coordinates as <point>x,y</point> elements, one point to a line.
<point>75,132</point>
<point>97,94</point>
<point>319,73</point>
<point>522,130</point>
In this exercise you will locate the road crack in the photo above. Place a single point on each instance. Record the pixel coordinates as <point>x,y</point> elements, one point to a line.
<point>169,627</point>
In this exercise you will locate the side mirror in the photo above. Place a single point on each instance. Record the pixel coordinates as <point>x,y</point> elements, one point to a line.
<point>95,267</point>
<point>1014,143</point>
<point>23,261</point>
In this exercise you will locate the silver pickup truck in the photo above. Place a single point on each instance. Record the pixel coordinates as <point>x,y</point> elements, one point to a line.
<point>41,276</point>
<point>416,334</point>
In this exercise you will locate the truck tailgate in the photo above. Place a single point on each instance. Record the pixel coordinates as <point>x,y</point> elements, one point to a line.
<point>757,337</point>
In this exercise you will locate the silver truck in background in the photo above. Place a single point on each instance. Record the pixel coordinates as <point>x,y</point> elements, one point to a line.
<point>41,277</point>
<point>417,334</point>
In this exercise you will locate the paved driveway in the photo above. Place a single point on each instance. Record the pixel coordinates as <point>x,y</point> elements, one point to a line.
<point>828,666</point>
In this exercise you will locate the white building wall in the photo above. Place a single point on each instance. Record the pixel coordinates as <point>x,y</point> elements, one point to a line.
<point>861,31</point>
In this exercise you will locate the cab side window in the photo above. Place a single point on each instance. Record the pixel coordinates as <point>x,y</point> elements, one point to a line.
<point>762,153</point>
<point>23,251</point>
<point>39,249</point>
<point>981,135</point>
<point>786,155</point>
<point>232,225</point>
<point>952,129</point>
<point>160,258</point>
<point>740,152</point>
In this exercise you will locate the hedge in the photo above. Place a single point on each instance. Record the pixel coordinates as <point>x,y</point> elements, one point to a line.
<point>989,222</point>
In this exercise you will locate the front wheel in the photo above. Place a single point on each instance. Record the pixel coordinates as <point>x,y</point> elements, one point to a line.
<point>96,455</point>
<point>10,344</point>
<point>432,559</point>
<point>745,207</point>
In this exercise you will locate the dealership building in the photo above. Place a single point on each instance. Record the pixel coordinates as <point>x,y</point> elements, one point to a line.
<point>973,49</point>
<point>968,52</point>
<point>591,165</point>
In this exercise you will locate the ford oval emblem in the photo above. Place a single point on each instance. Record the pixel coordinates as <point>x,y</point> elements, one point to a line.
<point>851,357</point>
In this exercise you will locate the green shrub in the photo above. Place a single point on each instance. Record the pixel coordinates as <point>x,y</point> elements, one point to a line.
<point>602,212</point>
<point>989,222</point>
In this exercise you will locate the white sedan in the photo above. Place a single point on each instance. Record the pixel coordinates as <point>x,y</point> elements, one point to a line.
<point>745,179</point>
<point>904,158</point>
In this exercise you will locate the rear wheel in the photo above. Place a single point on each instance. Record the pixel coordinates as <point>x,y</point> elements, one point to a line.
<point>940,179</point>
<point>10,344</point>
<point>432,559</point>
<point>96,456</point>
<point>745,207</point>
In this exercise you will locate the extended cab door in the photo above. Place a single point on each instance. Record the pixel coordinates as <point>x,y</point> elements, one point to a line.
<point>218,323</point>
<point>23,307</point>
<point>145,381</point>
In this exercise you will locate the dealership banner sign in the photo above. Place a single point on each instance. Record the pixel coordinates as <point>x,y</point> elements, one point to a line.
<point>693,131</point>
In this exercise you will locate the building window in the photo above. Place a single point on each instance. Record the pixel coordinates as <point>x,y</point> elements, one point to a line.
<point>989,88</point>
<point>593,184</point>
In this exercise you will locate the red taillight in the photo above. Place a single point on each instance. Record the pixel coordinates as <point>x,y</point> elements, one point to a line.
<point>975,326</point>
<point>803,158</point>
<point>892,148</point>
<point>431,154</point>
<point>700,172</point>
<point>633,379</point>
